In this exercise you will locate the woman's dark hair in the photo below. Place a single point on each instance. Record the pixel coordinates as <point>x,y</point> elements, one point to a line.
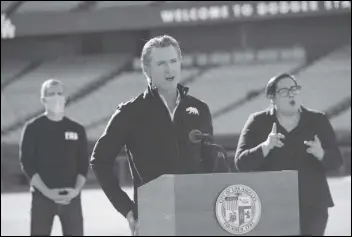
<point>271,87</point>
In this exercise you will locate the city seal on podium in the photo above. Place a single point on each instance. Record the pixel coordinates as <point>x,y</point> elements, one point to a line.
<point>238,209</point>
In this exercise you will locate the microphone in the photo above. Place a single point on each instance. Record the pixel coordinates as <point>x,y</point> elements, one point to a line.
<point>196,136</point>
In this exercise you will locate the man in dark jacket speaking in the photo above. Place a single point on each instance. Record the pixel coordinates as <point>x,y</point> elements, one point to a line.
<point>154,127</point>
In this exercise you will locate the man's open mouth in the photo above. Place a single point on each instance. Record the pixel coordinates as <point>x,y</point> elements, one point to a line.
<point>170,78</point>
<point>293,102</point>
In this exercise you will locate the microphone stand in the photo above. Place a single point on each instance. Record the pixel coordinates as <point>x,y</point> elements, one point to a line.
<point>221,149</point>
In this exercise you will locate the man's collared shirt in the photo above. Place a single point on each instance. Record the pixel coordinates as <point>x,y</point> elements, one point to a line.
<point>172,113</point>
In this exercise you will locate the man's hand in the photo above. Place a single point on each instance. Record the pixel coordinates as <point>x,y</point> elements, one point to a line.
<point>315,148</point>
<point>54,195</point>
<point>64,199</point>
<point>132,223</point>
<point>66,195</point>
<point>72,192</point>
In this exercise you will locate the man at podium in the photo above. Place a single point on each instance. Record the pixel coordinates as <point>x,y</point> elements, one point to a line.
<point>154,128</point>
<point>287,136</point>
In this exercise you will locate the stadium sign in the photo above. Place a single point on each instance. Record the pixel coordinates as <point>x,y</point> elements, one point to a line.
<point>250,9</point>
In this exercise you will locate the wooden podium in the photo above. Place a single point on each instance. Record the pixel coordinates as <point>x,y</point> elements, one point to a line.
<point>220,204</point>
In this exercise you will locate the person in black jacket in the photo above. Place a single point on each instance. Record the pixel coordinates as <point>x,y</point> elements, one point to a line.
<point>54,157</point>
<point>288,136</point>
<point>154,127</point>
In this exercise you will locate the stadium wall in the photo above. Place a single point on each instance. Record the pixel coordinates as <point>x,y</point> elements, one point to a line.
<point>331,31</point>
<point>169,15</point>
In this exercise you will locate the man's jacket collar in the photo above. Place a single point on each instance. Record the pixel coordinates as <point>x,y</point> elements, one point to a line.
<point>153,91</point>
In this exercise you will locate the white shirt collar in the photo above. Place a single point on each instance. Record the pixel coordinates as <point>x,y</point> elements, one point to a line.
<point>172,113</point>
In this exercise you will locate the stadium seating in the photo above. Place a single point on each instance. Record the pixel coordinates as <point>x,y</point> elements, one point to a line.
<point>327,82</point>
<point>342,122</point>
<point>13,137</point>
<point>23,97</point>
<point>329,76</point>
<point>94,133</point>
<point>219,87</point>
<point>10,68</point>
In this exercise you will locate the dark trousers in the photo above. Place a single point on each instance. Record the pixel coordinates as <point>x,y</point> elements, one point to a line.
<point>44,210</point>
<point>313,220</point>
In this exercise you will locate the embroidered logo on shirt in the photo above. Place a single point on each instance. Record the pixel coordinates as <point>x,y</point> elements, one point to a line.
<point>71,136</point>
<point>192,110</point>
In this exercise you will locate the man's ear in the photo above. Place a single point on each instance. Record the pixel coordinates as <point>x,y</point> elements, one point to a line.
<point>147,75</point>
<point>42,99</point>
<point>147,72</point>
